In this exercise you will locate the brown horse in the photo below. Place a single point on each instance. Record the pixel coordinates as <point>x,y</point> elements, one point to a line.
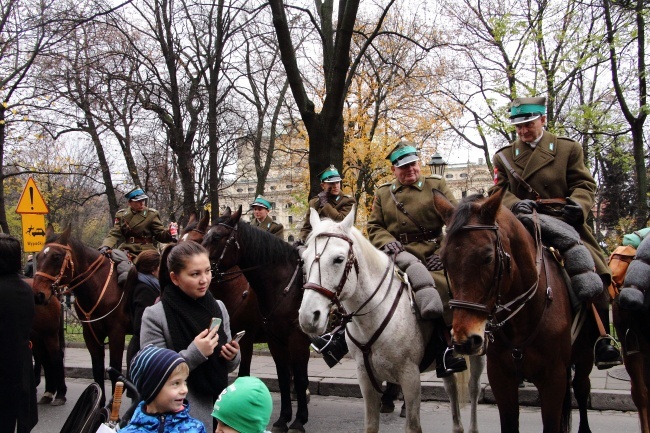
<point>510,301</point>
<point>48,347</point>
<point>633,329</point>
<point>65,265</point>
<point>274,270</point>
<point>232,288</point>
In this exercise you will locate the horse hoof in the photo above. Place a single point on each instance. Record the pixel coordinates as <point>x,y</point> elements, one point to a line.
<point>59,401</point>
<point>300,429</point>
<point>277,429</point>
<point>46,399</point>
<point>386,408</point>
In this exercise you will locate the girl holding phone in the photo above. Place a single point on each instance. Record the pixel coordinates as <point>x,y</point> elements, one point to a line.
<point>181,321</point>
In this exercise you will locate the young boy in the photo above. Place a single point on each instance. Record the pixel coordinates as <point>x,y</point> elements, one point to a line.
<point>243,407</point>
<point>160,375</point>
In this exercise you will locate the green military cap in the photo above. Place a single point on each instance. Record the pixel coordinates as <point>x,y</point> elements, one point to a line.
<point>330,174</point>
<point>403,153</point>
<point>136,194</point>
<point>261,202</point>
<point>524,110</point>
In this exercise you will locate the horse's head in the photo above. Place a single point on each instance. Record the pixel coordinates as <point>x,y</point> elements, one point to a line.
<point>221,240</point>
<point>195,230</point>
<point>54,265</point>
<point>329,259</point>
<point>476,258</point>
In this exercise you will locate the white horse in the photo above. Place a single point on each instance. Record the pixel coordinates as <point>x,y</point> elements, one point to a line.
<point>344,267</point>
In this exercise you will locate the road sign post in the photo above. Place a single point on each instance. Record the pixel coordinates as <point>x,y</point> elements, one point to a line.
<point>33,209</point>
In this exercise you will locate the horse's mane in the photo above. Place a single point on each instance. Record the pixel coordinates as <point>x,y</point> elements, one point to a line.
<point>261,246</point>
<point>367,250</point>
<point>463,213</point>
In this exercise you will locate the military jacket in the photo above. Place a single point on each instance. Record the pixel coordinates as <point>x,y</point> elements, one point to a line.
<point>337,208</point>
<point>388,224</point>
<point>137,231</point>
<point>555,169</point>
<point>270,226</point>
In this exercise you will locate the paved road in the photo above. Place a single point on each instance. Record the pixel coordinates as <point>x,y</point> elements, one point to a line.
<point>340,414</point>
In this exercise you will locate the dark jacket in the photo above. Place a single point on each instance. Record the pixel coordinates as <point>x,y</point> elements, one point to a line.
<point>18,396</point>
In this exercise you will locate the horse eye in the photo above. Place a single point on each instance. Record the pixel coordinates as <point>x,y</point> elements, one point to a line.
<point>339,260</point>
<point>487,259</point>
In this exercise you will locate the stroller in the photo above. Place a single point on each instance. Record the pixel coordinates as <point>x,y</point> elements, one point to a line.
<point>87,415</point>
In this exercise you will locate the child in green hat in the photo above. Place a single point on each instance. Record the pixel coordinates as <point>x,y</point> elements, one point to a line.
<point>243,407</point>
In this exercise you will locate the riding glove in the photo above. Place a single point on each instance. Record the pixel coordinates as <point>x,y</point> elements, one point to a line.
<point>524,206</point>
<point>394,247</point>
<point>572,213</point>
<point>323,198</point>
<point>104,250</point>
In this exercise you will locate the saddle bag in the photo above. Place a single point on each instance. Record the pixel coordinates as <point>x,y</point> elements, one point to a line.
<point>618,262</point>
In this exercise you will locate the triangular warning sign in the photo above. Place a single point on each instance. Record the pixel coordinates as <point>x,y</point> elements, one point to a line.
<point>31,200</point>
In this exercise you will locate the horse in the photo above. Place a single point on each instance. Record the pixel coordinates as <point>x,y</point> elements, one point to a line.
<point>274,270</point>
<point>65,265</point>
<point>510,301</point>
<point>385,337</point>
<point>48,346</point>
<point>232,288</point>
<point>633,329</point>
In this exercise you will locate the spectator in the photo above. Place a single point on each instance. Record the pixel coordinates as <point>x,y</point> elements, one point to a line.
<point>243,407</point>
<point>29,267</point>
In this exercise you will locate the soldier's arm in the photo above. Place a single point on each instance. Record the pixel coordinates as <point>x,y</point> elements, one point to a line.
<point>306,226</point>
<point>114,236</point>
<point>582,186</point>
<point>158,229</point>
<point>339,214</point>
<point>279,231</point>
<point>377,232</point>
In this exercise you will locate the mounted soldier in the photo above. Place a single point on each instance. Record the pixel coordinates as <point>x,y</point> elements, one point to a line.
<point>261,218</point>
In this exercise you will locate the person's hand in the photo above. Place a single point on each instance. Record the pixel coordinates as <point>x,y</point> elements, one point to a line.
<point>173,230</point>
<point>229,350</point>
<point>104,250</point>
<point>206,341</point>
<point>394,247</point>
<point>524,206</point>
<point>323,198</point>
<point>572,213</point>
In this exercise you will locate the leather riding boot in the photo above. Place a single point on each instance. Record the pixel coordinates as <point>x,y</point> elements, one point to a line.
<point>606,352</point>
<point>447,362</point>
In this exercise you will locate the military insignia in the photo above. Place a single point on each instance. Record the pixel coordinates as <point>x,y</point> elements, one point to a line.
<point>117,220</point>
<point>337,198</point>
<point>420,184</point>
<point>517,152</point>
<point>496,175</point>
<point>550,146</point>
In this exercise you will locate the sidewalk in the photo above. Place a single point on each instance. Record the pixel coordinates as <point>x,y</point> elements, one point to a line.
<point>610,389</point>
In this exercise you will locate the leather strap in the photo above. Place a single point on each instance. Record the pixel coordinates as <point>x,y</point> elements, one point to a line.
<point>400,206</point>
<point>516,175</point>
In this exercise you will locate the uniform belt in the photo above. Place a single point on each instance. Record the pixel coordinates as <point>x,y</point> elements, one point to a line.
<point>139,240</point>
<point>407,238</point>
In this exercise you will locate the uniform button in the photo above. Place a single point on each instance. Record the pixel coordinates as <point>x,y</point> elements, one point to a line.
<point>403,223</point>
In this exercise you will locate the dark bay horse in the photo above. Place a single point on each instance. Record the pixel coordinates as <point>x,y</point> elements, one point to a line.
<point>274,270</point>
<point>232,288</point>
<point>633,329</point>
<point>510,300</point>
<point>65,265</point>
<point>48,345</point>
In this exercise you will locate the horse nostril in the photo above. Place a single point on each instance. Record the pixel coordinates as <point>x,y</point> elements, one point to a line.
<point>316,315</point>
<point>475,341</point>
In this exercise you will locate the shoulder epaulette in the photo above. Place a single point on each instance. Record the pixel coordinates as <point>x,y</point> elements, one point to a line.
<point>121,210</point>
<point>385,184</point>
<point>150,209</point>
<point>434,176</point>
<point>504,147</point>
<point>566,138</point>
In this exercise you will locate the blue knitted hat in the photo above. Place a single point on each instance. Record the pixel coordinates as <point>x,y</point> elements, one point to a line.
<point>150,369</point>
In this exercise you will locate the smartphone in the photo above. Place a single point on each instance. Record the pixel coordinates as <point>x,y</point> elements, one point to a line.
<point>238,336</point>
<point>215,322</point>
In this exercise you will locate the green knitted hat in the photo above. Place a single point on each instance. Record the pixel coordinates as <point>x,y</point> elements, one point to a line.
<point>245,406</point>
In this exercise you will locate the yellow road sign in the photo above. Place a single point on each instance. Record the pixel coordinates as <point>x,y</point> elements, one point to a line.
<point>31,201</point>
<point>33,232</point>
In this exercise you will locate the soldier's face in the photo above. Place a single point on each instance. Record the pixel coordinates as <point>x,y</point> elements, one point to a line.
<point>530,131</point>
<point>136,206</point>
<point>408,173</point>
<point>260,212</point>
<point>333,188</point>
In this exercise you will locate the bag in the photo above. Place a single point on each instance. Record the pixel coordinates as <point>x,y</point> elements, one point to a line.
<point>618,262</point>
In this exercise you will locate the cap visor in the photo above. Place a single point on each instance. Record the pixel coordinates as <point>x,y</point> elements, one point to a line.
<point>407,159</point>
<point>139,197</point>
<point>523,119</point>
<point>332,179</point>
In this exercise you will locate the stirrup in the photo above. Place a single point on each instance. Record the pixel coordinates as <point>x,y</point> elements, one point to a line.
<point>603,365</point>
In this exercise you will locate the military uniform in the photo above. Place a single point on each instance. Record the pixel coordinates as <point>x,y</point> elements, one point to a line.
<point>337,208</point>
<point>555,169</point>
<point>137,231</point>
<point>388,224</point>
<point>270,226</point>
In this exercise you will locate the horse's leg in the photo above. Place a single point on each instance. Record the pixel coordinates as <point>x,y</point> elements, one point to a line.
<point>281,359</point>
<point>505,387</point>
<point>299,360</point>
<point>388,397</point>
<point>96,350</point>
<point>582,390</point>
<point>371,399</point>
<point>116,337</point>
<point>451,387</point>
<point>246,350</point>
<point>645,421</point>
<point>476,367</point>
<point>55,377</point>
<point>634,364</point>
<point>411,388</point>
<point>550,389</point>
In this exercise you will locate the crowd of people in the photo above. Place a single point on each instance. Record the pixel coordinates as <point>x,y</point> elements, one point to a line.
<point>176,357</point>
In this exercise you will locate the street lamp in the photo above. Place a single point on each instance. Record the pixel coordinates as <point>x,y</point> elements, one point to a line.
<point>437,164</point>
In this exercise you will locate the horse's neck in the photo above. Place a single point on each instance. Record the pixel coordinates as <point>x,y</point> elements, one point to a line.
<point>371,279</point>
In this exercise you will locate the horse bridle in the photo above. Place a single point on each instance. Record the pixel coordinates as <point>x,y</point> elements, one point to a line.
<point>231,239</point>
<point>55,287</point>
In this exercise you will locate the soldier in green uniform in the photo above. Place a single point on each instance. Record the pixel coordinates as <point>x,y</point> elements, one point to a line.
<point>540,165</point>
<point>404,223</point>
<point>136,228</point>
<point>330,202</point>
<point>261,218</point>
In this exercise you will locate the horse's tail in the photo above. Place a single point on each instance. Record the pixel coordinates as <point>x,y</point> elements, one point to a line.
<point>565,422</point>
<point>462,384</point>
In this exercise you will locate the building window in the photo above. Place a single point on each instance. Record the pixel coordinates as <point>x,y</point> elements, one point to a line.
<point>289,186</point>
<point>290,219</point>
<point>464,194</point>
<point>463,175</point>
<point>273,188</point>
<point>240,189</point>
<point>449,176</point>
<point>273,207</point>
<point>273,217</point>
<point>251,189</point>
<point>290,239</point>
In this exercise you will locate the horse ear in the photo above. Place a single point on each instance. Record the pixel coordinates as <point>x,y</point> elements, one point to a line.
<point>227,212</point>
<point>237,215</point>
<point>65,236</point>
<point>49,231</point>
<point>442,205</point>
<point>205,221</point>
<point>314,219</point>
<point>492,205</point>
<point>348,221</point>
<point>192,218</point>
